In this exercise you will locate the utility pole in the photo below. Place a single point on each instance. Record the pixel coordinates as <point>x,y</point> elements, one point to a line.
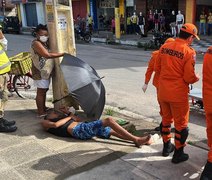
<point>61,36</point>
<point>117,20</point>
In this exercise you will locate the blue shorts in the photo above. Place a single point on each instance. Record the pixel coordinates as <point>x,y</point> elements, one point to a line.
<point>88,130</point>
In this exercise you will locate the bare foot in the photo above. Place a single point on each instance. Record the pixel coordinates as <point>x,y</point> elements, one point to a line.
<point>154,138</point>
<point>150,141</point>
<point>142,140</point>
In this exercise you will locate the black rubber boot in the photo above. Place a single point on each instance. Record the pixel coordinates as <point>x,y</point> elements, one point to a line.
<point>157,128</point>
<point>207,172</point>
<point>6,122</point>
<point>179,156</point>
<point>168,147</point>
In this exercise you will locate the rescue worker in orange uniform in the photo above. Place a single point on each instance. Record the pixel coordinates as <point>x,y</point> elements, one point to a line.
<point>150,70</point>
<point>175,66</point>
<point>207,101</point>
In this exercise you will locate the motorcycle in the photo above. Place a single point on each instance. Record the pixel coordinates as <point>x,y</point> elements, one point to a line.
<point>33,31</point>
<point>159,38</point>
<point>82,35</point>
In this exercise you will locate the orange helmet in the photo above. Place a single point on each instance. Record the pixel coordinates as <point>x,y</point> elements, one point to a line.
<point>190,28</point>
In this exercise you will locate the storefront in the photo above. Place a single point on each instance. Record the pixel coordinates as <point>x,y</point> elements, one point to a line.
<point>130,7</point>
<point>79,8</point>
<point>166,6</point>
<point>203,5</point>
<point>105,8</point>
<point>30,12</point>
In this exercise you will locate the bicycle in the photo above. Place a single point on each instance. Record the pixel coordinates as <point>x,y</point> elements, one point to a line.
<point>22,84</point>
<point>20,79</point>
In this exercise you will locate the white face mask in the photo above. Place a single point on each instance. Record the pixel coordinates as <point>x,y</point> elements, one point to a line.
<point>44,38</point>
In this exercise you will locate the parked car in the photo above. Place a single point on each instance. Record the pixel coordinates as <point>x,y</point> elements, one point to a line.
<point>11,24</point>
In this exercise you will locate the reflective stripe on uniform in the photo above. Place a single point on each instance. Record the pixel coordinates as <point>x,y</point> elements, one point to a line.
<point>5,65</point>
<point>1,51</point>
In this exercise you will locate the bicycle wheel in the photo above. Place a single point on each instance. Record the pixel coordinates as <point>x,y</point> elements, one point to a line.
<point>24,86</point>
<point>87,38</point>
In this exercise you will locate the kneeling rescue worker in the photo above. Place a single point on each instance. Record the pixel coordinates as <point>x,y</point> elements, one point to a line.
<point>175,66</point>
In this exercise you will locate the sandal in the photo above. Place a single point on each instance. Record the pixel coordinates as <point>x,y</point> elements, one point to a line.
<point>47,108</point>
<point>122,122</point>
<point>41,116</point>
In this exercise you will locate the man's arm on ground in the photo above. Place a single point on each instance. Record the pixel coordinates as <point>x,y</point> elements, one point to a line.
<point>49,124</point>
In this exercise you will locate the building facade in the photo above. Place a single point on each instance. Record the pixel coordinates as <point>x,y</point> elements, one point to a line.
<point>32,12</point>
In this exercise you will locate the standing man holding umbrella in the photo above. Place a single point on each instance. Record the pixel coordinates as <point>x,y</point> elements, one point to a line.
<point>176,67</point>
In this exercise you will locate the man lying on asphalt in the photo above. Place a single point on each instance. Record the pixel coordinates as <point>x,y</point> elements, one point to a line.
<point>64,125</point>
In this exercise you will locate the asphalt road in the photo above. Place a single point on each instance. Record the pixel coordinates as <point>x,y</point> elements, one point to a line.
<point>123,69</point>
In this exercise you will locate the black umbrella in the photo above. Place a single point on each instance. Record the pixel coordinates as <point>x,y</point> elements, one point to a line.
<point>84,85</point>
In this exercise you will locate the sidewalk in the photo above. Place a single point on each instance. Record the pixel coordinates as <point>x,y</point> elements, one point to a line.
<point>136,40</point>
<point>31,153</point>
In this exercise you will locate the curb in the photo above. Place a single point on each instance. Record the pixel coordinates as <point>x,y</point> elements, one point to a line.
<point>117,41</point>
<point>49,98</point>
<point>129,113</point>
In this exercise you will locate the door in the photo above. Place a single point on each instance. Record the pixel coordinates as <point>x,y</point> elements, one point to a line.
<point>31,14</point>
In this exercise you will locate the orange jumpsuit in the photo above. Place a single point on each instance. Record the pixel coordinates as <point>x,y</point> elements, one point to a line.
<point>207,96</point>
<point>175,66</point>
<point>151,68</point>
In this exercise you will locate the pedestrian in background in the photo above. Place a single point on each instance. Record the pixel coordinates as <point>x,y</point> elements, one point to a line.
<point>42,66</point>
<point>202,23</point>
<point>141,23</point>
<point>173,24</point>
<point>209,23</point>
<point>150,18</point>
<point>90,23</point>
<point>129,24</point>
<point>162,21</point>
<point>175,66</point>
<point>134,20</point>
<point>101,21</point>
<point>179,21</point>
<point>207,101</point>
<point>122,21</point>
<point>78,22</point>
<point>113,25</point>
<point>5,125</point>
<point>156,20</point>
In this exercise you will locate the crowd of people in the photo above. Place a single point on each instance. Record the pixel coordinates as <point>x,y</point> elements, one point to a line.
<point>84,24</point>
<point>138,23</point>
<point>174,67</point>
<point>154,21</point>
<point>205,21</point>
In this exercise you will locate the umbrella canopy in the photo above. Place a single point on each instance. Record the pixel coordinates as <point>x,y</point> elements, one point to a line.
<point>84,85</point>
